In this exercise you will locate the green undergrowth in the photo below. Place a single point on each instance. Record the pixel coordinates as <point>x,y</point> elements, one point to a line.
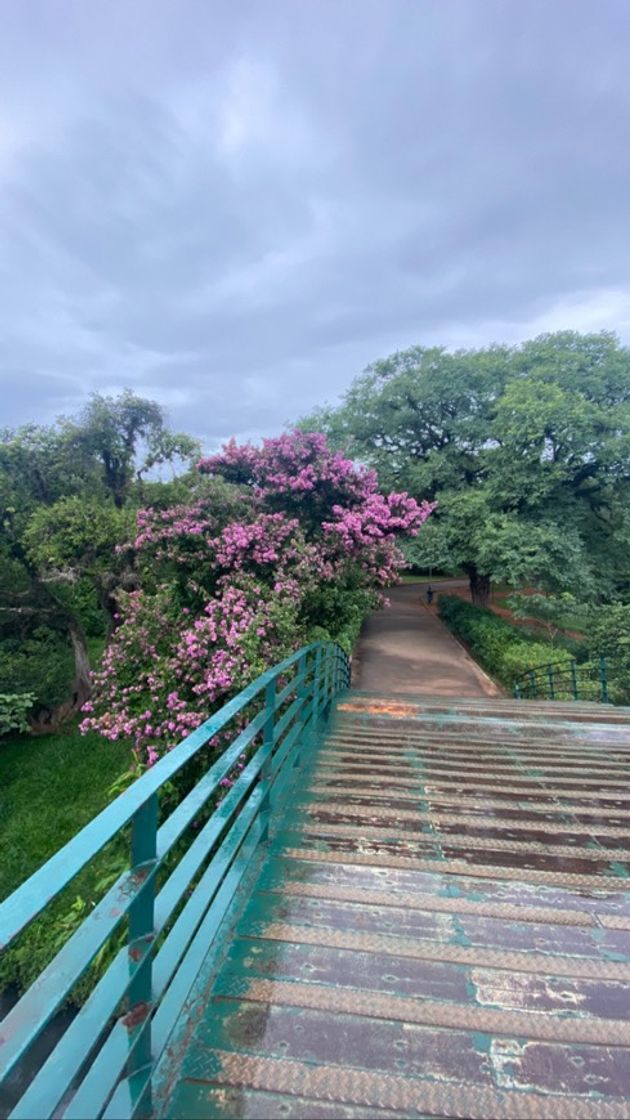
<point>504,649</point>
<point>50,787</point>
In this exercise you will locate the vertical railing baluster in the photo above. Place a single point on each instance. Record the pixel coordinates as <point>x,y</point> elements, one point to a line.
<point>532,684</point>
<point>574,681</point>
<point>267,767</point>
<point>603,680</point>
<point>141,930</point>
<point>316,691</point>
<point>552,685</point>
<point>302,693</point>
<point>327,675</point>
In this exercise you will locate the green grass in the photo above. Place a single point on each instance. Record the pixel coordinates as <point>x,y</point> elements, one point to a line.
<point>50,786</point>
<point>413,577</point>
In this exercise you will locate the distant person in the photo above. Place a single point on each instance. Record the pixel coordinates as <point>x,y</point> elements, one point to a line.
<point>429,594</point>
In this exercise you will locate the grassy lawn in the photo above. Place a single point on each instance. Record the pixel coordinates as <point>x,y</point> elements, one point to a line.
<point>411,577</point>
<point>50,786</point>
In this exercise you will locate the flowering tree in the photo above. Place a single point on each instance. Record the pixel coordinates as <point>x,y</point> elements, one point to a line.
<point>290,541</point>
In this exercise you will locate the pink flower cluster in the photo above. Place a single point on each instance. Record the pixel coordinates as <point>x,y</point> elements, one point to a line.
<point>225,594</point>
<point>295,463</point>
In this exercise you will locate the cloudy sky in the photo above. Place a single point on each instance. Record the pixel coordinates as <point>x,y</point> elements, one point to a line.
<point>234,207</point>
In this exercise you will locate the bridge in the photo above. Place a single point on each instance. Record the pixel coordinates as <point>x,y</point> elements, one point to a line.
<point>405,904</point>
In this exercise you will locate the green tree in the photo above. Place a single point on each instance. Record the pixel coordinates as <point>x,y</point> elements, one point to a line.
<point>526,450</point>
<point>126,437</point>
<point>68,494</point>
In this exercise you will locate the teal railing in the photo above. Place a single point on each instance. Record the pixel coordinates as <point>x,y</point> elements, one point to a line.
<point>596,680</point>
<point>187,857</point>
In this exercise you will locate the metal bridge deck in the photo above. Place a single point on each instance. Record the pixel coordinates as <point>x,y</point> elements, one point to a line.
<point>441,927</point>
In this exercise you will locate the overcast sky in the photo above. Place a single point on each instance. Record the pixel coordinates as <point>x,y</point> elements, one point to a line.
<point>234,207</point>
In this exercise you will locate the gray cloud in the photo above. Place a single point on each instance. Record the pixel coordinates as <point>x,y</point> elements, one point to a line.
<point>233,208</point>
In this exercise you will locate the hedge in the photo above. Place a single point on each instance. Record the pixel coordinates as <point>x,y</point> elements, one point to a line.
<point>504,649</point>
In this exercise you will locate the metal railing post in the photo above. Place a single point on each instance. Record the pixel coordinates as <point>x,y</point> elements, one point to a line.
<point>551,679</point>
<point>574,680</point>
<point>532,683</point>
<point>327,675</point>
<point>302,693</point>
<point>267,767</point>
<point>141,929</point>
<point>316,691</point>
<point>603,680</point>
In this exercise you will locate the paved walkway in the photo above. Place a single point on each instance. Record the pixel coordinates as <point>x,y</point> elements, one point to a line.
<point>405,648</point>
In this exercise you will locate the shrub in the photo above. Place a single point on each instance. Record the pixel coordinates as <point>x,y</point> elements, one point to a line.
<point>505,650</point>
<point>14,709</point>
<point>41,663</point>
<point>306,546</point>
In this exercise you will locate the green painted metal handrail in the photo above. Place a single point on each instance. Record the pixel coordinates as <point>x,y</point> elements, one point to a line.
<point>182,876</point>
<point>572,680</point>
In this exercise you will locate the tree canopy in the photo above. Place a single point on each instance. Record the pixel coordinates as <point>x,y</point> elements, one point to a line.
<point>68,492</point>
<point>279,545</point>
<point>525,449</point>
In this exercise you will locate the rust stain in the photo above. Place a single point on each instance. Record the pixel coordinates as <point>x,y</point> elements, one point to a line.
<point>396,710</point>
<point>137,1014</point>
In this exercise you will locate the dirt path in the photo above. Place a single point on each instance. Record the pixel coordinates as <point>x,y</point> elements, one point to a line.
<point>405,648</point>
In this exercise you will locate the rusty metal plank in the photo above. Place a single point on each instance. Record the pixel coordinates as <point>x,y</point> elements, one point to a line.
<point>465,840</point>
<point>523,1024</point>
<point>462,867</point>
<point>472,956</point>
<point>445,905</point>
<point>437,819</point>
<point>409,1095</point>
<point>492,804</point>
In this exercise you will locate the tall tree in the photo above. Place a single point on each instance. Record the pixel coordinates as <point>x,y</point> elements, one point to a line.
<point>525,449</point>
<point>126,436</point>
<point>67,498</point>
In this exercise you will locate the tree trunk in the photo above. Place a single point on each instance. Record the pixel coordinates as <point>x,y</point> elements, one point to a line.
<point>50,719</point>
<point>81,687</point>
<point>479,588</point>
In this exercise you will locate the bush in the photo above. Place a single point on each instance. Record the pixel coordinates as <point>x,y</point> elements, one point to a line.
<point>41,663</point>
<point>505,650</point>
<point>14,709</point>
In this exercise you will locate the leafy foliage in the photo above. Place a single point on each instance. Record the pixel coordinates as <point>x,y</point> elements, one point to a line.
<point>300,549</point>
<point>505,650</point>
<point>68,494</point>
<point>14,709</point>
<point>607,634</point>
<point>552,612</point>
<point>38,662</point>
<point>526,450</point>
<point>49,788</point>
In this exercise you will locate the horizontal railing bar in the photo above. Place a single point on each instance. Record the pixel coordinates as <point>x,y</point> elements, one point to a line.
<point>166,902</point>
<point>294,683</point>
<point>174,947</point>
<point>49,1085</point>
<point>93,1093</point>
<point>169,957</point>
<point>290,715</point>
<point>164,1024</point>
<point>28,1018</point>
<point>281,754</point>
<point>186,811</point>
<point>45,884</point>
<point>121,1103</point>
<point>73,1050</point>
<point>170,1007</point>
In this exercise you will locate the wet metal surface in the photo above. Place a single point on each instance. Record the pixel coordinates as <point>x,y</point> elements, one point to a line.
<point>441,928</point>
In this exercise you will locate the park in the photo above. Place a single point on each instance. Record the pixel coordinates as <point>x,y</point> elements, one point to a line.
<point>322,744</point>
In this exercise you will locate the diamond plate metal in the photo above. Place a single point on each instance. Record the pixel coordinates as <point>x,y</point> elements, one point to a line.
<point>411,1096</point>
